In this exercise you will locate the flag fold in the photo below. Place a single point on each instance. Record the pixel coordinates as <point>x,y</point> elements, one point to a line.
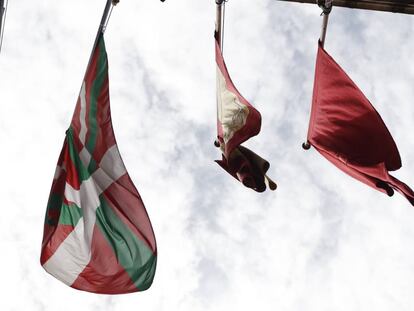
<point>97,234</point>
<point>347,130</point>
<point>237,121</point>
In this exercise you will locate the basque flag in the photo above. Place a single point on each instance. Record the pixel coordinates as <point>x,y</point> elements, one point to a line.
<point>97,234</point>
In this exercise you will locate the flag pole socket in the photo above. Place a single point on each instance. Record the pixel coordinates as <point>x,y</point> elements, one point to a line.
<point>306,145</point>
<point>325,5</point>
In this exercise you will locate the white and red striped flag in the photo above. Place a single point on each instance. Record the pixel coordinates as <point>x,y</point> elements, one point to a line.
<point>237,121</point>
<point>97,234</point>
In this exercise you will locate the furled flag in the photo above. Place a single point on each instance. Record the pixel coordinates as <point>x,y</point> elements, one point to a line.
<point>347,130</point>
<point>237,121</point>
<point>97,234</point>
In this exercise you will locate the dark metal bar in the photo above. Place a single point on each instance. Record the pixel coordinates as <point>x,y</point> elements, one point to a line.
<point>2,8</point>
<point>396,6</point>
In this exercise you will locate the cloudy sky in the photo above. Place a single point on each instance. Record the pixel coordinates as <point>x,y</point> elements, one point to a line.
<point>321,241</point>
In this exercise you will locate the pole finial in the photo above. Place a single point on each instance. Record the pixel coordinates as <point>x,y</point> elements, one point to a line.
<point>306,145</point>
<point>325,5</point>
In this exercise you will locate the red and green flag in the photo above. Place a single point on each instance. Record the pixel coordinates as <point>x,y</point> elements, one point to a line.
<point>97,234</point>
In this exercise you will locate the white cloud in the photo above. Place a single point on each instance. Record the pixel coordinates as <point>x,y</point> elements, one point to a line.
<point>322,241</point>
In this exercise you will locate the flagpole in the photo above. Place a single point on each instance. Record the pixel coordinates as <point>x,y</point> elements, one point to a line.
<point>219,22</point>
<point>2,9</point>
<point>219,34</point>
<point>2,20</point>
<point>326,6</point>
<point>101,29</point>
<point>102,26</point>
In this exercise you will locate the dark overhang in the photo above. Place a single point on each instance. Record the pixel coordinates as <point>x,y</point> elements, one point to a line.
<point>401,6</point>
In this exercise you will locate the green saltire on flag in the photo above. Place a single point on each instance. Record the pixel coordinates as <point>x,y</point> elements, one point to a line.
<point>97,233</point>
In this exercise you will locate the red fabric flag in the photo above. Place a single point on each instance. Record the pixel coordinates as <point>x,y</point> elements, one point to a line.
<point>249,168</point>
<point>347,130</point>
<point>237,121</point>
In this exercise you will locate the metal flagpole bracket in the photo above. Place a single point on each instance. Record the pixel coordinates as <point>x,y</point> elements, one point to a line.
<point>325,5</point>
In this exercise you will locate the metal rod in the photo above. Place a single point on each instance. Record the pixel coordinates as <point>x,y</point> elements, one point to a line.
<point>223,10</point>
<point>2,8</point>
<point>324,28</point>
<point>395,6</point>
<point>2,21</point>
<point>101,30</point>
<point>219,22</point>
<point>102,26</point>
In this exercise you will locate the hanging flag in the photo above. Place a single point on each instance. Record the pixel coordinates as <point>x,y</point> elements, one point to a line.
<point>237,121</point>
<point>347,130</point>
<point>249,168</point>
<point>97,234</point>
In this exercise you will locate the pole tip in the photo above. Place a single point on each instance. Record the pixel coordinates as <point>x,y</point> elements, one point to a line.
<point>383,185</point>
<point>306,145</point>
